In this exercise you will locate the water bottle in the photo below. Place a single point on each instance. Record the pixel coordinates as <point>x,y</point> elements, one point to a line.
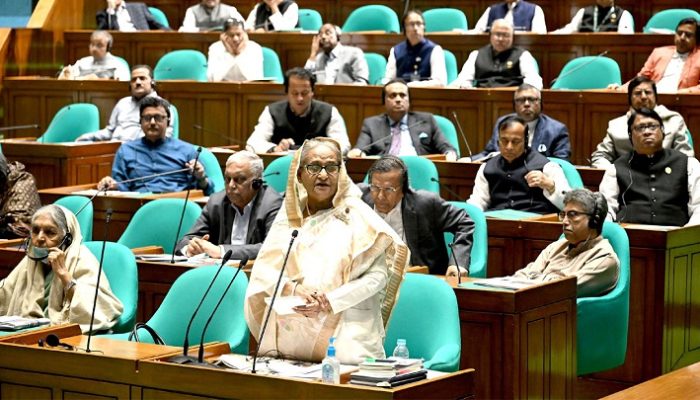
<point>330,366</point>
<point>401,351</point>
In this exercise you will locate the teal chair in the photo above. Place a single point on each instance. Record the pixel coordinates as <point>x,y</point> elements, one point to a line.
<point>272,68</point>
<point>120,269</point>
<point>590,72</point>
<point>690,137</point>
<point>420,172</point>
<point>276,173</point>
<point>448,129</point>
<point>377,67</point>
<point>126,64</point>
<point>181,65</point>
<point>602,322</point>
<point>212,169</point>
<point>572,175</point>
<point>667,20</point>
<point>175,118</point>
<point>309,19</point>
<point>159,16</point>
<point>480,240</point>
<point>155,224</point>
<point>70,122</point>
<point>450,66</point>
<point>426,316</point>
<point>228,324</point>
<point>372,17</point>
<point>445,20</point>
<point>75,204</point>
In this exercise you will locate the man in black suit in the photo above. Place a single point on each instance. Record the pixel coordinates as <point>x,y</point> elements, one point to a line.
<point>419,217</point>
<point>238,218</point>
<point>120,16</point>
<point>400,131</point>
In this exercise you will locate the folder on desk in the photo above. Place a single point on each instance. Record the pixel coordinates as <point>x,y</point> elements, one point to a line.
<point>16,323</point>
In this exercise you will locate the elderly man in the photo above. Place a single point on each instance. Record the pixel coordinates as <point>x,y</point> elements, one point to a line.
<point>583,252</point>
<point>238,218</point>
<point>419,217</point>
<point>138,160</point>
<point>119,16</point>
<point>100,64</point>
<point>273,15</point>
<point>499,64</point>
<point>208,15</point>
<point>604,16</point>
<point>523,15</point>
<point>125,121</point>
<point>616,143</point>
<point>518,178</point>
<point>551,137</point>
<point>18,199</point>
<point>417,60</point>
<point>652,184</point>
<point>234,57</point>
<point>334,63</point>
<point>404,132</point>
<point>285,125</point>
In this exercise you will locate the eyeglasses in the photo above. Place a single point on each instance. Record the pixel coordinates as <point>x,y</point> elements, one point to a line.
<point>689,35</point>
<point>523,100</point>
<point>646,127</point>
<point>388,190</point>
<point>315,169</point>
<point>415,24</point>
<point>158,117</point>
<point>571,215</point>
<point>239,180</point>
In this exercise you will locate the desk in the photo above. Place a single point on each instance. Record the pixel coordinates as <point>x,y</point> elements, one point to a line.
<point>680,384</point>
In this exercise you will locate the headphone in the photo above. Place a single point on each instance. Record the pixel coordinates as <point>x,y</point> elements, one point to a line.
<point>53,341</point>
<point>257,184</point>
<point>41,253</point>
<point>597,217</point>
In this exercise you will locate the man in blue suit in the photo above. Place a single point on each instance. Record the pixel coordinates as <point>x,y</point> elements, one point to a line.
<point>120,16</point>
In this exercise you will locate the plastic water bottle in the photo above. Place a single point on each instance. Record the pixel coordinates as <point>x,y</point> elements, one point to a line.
<point>330,366</point>
<point>401,351</point>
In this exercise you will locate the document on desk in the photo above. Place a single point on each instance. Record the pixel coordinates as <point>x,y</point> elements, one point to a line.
<point>506,282</point>
<point>160,257</point>
<point>15,323</point>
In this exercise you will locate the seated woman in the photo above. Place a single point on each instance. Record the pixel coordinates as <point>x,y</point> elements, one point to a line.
<point>57,278</point>
<point>18,199</point>
<point>346,262</point>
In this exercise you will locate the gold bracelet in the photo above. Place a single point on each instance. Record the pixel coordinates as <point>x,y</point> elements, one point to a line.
<point>294,288</point>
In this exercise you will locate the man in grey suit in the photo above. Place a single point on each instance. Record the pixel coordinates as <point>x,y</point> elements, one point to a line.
<point>334,63</point>
<point>237,218</point>
<point>419,217</point>
<point>400,131</point>
<point>119,16</point>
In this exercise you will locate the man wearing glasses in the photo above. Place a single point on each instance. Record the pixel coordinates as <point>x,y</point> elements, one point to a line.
<point>418,217</point>
<point>583,252</point>
<point>651,184</point>
<point>550,138</point>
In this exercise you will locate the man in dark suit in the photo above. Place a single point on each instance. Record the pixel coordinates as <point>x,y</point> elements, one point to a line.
<point>419,217</point>
<point>400,131</point>
<point>120,16</point>
<point>238,218</point>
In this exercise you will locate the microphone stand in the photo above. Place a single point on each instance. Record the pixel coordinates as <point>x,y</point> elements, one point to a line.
<point>461,132</point>
<point>578,67</point>
<point>99,275</point>
<point>18,127</point>
<point>454,258</point>
<point>184,207</point>
<point>452,192</point>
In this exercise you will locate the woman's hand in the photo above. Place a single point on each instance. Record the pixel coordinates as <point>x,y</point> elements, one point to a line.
<point>315,304</point>
<point>57,260</point>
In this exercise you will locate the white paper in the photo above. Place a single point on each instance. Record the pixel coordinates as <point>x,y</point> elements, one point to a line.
<point>284,305</point>
<point>506,282</point>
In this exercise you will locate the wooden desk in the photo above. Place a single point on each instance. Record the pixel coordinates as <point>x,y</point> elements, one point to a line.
<point>683,383</point>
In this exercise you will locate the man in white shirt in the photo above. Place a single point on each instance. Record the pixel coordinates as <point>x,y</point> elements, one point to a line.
<point>100,64</point>
<point>334,63</point>
<point>119,16</point>
<point>234,57</point>
<point>273,15</point>
<point>523,15</point>
<point>604,16</point>
<point>208,15</point>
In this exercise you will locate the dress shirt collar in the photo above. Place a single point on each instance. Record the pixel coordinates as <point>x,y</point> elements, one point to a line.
<point>403,120</point>
<point>335,53</point>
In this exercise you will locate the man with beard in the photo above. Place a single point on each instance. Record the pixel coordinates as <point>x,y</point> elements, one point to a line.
<point>334,63</point>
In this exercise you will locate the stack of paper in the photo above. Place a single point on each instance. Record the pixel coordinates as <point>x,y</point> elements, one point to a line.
<point>15,323</point>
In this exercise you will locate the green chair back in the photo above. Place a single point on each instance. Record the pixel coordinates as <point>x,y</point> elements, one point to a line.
<point>445,20</point>
<point>119,266</point>
<point>667,20</point>
<point>159,16</point>
<point>123,61</point>
<point>450,66</point>
<point>377,67</point>
<point>181,65</point>
<point>480,240</point>
<point>426,316</point>
<point>572,175</point>
<point>74,204</point>
<point>70,122</point>
<point>155,224</point>
<point>272,68</point>
<point>275,174</point>
<point>175,117</point>
<point>690,137</point>
<point>372,17</point>
<point>590,72</point>
<point>309,19</point>
<point>602,322</point>
<point>420,172</point>
<point>212,169</point>
<point>448,129</point>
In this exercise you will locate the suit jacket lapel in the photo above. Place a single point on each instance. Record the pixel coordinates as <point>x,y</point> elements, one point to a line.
<point>414,130</point>
<point>251,221</point>
<point>229,215</point>
<point>410,220</point>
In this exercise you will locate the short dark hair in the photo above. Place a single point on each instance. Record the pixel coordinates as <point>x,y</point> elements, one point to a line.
<point>395,80</point>
<point>143,66</point>
<point>515,119</point>
<point>409,12</point>
<point>301,73</point>
<point>645,112</point>
<point>154,101</point>
<point>690,21</point>
<point>594,204</point>
<point>231,22</point>
<point>636,81</point>
<point>388,163</point>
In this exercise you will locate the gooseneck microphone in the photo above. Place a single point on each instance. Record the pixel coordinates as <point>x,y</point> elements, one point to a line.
<point>18,127</point>
<point>461,132</point>
<point>450,191</point>
<point>108,218</point>
<point>219,135</point>
<point>184,206</point>
<point>571,71</point>
<point>143,178</point>
<point>454,258</point>
<point>274,296</point>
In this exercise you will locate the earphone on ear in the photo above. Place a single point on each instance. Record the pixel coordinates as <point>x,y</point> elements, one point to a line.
<point>257,183</point>
<point>595,221</point>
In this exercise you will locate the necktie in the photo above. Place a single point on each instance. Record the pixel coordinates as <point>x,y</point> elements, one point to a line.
<point>395,148</point>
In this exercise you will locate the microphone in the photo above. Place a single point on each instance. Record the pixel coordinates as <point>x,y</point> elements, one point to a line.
<point>184,206</point>
<point>461,132</point>
<point>184,358</point>
<point>452,192</point>
<point>454,258</point>
<point>274,296</point>
<point>99,275</point>
<point>90,199</point>
<point>52,340</point>
<point>569,72</point>
<point>18,127</point>
<point>219,135</point>
<point>363,148</point>
<point>143,178</point>
<point>270,174</point>
<point>241,265</point>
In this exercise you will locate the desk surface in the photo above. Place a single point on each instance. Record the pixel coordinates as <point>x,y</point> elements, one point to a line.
<point>680,384</point>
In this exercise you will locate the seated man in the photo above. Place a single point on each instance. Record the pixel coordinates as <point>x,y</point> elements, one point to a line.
<point>334,63</point>
<point>138,160</point>
<point>583,252</point>
<point>616,143</point>
<point>417,216</point>
<point>119,16</point>
<point>604,16</point>
<point>18,200</point>
<point>652,184</point>
<point>523,15</point>
<point>238,218</point>
<point>518,178</point>
<point>273,15</point>
<point>417,60</point>
<point>208,15</point>
<point>100,64</point>
<point>499,64</point>
<point>285,125</point>
<point>234,57</point>
<point>125,121</point>
<point>399,131</point>
<point>551,137</point>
